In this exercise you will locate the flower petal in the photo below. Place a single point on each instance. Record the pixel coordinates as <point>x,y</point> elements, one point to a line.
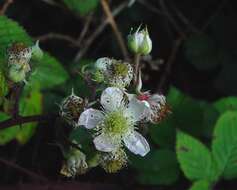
<point>111,98</point>
<point>90,118</point>
<point>136,110</point>
<point>157,99</point>
<point>104,143</point>
<point>137,144</point>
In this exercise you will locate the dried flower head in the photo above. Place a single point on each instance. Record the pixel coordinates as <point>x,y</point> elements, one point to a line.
<point>71,108</point>
<point>113,72</point>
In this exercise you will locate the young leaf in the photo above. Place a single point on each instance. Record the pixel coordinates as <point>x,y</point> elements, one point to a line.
<point>8,134</point>
<point>224,145</point>
<point>194,158</point>
<point>3,85</point>
<point>187,113</point>
<point>225,104</point>
<point>29,105</point>
<point>158,167</point>
<point>201,185</point>
<point>48,73</point>
<point>82,7</point>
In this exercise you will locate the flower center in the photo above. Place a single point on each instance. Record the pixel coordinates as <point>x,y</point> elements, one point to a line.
<point>116,124</point>
<point>143,97</point>
<point>120,69</point>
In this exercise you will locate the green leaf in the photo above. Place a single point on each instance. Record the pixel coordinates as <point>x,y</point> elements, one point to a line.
<point>163,134</point>
<point>3,85</point>
<point>187,113</point>
<point>81,136</point>
<point>224,145</point>
<point>8,134</point>
<point>201,185</point>
<point>10,32</point>
<point>29,105</point>
<point>82,7</point>
<point>194,158</point>
<point>210,116</point>
<point>225,104</point>
<point>48,73</point>
<point>202,52</point>
<point>158,167</point>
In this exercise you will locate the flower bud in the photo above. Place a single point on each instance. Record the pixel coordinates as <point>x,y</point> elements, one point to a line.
<point>37,53</point>
<point>75,163</point>
<point>71,108</point>
<point>16,75</point>
<point>140,42</point>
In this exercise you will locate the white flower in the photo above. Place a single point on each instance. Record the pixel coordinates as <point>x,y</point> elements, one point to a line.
<point>156,103</point>
<point>157,108</point>
<point>113,72</point>
<point>115,124</point>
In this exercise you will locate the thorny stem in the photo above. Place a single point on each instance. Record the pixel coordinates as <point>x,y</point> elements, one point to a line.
<point>136,68</point>
<point>23,119</point>
<point>5,6</point>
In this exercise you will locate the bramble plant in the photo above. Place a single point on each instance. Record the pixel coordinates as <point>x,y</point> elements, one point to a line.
<point>103,115</point>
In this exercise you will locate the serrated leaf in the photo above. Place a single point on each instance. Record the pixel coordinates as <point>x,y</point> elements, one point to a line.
<point>201,185</point>
<point>210,116</point>
<point>11,31</point>
<point>29,105</point>
<point>158,167</point>
<point>194,158</point>
<point>48,73</point>
<point>82,7</point>
<point>202,52</point>
<point>187,113</point>
<point>224,145</point>
<point>225,104</point>
<point>163,134</point>
<point>8,134</point>
<point>3,85</point>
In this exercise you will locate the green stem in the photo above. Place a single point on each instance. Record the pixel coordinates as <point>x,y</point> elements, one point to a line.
<point>136,66</point>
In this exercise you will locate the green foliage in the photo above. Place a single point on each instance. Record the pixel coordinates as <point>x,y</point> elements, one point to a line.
<point>224,145</point>
<point>200,185</point>
<point>194,158</point>
<point>3,85</point>
<point>48,73</point>
<point>8,134</point>
<point>225,104</point>
<point>202,52</point>
<point>182,117</point>
<point>160,167</point>
<point>82,7</point>
<point>29,105</point>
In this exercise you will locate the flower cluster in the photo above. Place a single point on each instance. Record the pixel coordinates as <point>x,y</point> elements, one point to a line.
<point>115,123</point>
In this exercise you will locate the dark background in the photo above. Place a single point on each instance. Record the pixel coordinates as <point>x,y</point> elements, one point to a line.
<point>203,66</point>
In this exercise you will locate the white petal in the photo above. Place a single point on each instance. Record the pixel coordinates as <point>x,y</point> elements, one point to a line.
<point>111,98</point>
<point>136,110</point>
<point>104,143</point>
<point>90,118</point>
<point>137,144</point>
<point>102,63</point>
<point>157,99</point>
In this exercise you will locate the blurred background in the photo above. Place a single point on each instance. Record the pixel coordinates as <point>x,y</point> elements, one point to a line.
<point>193,62</point>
